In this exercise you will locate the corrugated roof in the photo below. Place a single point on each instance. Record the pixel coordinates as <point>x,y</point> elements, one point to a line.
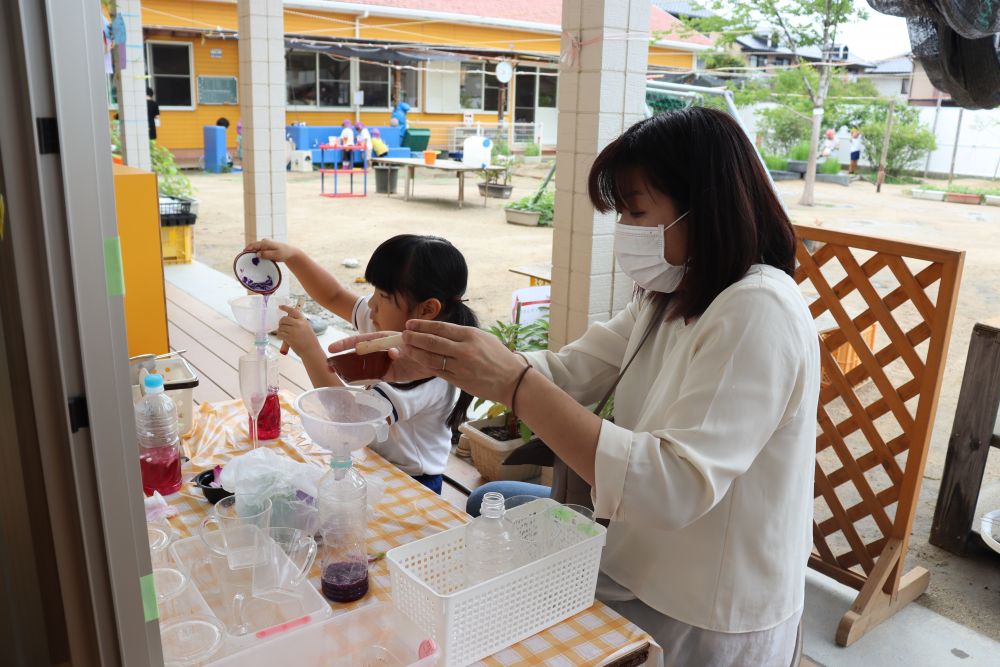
<point>545,12</point>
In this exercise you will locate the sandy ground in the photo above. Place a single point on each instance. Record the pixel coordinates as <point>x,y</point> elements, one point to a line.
<point>966,590</point>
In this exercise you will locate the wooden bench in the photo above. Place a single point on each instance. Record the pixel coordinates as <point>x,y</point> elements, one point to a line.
<point>975,431</point>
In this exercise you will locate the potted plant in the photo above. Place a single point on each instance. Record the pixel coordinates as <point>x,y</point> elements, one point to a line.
<point>534,210</point>
<point>963,195</point>
<point>828,171</point>
<point>532,153</point>
<point>496,182</point>
<point>778,167</point>
<point>492,438</point>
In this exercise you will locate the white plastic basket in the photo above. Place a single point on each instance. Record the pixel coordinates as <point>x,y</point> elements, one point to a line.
<point>179,381</point>
<point>428,584</point>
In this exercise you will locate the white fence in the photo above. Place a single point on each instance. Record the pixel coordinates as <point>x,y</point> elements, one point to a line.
<point>978,143</point>
<point>451,135</point>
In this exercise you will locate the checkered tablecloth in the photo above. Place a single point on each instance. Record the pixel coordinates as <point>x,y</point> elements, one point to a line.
<point>407,512</point>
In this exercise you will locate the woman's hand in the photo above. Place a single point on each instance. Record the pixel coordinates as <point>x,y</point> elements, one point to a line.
<point>468,358</point>
<point>275,251</point>
<point>295,330</point>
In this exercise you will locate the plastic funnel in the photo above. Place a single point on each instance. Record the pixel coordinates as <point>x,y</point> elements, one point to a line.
<point>248,311</point>
<point>341,420</point>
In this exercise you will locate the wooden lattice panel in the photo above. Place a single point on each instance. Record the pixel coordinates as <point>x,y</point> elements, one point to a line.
<point>875,415</point>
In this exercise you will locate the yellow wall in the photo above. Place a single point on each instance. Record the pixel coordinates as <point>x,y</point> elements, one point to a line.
<point>180,130</point>
<point>138,212</point>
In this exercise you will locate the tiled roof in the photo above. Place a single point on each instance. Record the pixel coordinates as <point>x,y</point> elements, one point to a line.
<point>546,12</point>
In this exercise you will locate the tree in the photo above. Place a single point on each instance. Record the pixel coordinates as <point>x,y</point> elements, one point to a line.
<point>909,140</point>
<point>799,24</point>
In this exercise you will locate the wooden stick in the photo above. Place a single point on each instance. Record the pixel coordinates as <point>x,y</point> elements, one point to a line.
<point>379,344</point>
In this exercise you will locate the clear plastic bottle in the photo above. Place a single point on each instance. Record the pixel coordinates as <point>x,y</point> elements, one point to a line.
<point>269,420</point>
<point>159,443</point>
<point>342,498</point>
<point>492,543</point>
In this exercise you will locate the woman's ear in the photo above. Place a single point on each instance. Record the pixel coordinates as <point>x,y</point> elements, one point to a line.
<point>428,310</point>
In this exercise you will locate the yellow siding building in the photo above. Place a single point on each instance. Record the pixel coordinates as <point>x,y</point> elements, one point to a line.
<point>449,50</point>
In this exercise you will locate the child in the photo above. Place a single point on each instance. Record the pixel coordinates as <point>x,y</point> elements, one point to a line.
<point>347,139</point>
<point>855,150</point>
<point>363,138</point>
<point>415,277</point>
<point>379,147</point>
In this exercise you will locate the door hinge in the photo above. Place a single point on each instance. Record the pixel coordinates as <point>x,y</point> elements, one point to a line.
<point>78,415</point>
<point>48,135</point>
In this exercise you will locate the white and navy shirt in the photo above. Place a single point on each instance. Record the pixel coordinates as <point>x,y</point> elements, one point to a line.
<point>419,438</point>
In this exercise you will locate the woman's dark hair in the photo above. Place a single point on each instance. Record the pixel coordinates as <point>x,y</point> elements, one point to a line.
<point>416,268</point>
<point>704,162</point>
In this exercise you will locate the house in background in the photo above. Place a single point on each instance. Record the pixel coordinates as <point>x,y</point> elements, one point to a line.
<point>892,77</point>
<point>344,61</point>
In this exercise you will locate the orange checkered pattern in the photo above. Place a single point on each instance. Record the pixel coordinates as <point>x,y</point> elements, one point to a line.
<point>408,511</point>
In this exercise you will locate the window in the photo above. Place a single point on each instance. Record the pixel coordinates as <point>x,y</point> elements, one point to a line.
<point>548,88</point>
<point>300,78</point>
<point>409,86</point>
<point>782,62</point>
<point>479,88</point>
<point>758,61</point>
<point>334,82</point>
<point>471,90</point>
<point>904,87</point>
<point>169,67</point>
<point>373,80</point>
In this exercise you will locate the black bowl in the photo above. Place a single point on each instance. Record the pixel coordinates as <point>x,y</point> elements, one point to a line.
<point>213,494</point>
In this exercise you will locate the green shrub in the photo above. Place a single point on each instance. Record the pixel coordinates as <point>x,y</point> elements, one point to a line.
<point>545,205</point>
<point>800,151</point>
<point>908,144</point>
<point>532,150</point>
<point>829,166</point>
<point>776,163</point>
<point>782,128</point>
<point>171,181</point>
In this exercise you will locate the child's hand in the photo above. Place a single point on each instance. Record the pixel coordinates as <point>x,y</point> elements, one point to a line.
<point>272,250</point>
<point>295,330</point>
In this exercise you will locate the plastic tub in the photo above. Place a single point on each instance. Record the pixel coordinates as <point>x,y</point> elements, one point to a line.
<point>430,157</point>
<point>471,622</point>
<point>375,634</point>
<point>179,381</point>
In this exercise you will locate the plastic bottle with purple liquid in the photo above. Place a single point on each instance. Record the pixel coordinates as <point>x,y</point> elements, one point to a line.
<point>342,498</point>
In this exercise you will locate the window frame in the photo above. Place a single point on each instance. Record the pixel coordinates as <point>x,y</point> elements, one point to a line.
<point>482,108</point>
<point>420,85</point>
<point>151,76</point>
<point>357,85</point>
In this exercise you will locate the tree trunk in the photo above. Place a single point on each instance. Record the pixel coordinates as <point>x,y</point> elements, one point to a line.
<point>819,100</point>
<point>810,184</point>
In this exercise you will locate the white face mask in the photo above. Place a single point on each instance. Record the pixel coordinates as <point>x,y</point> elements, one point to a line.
<point>639,251</point>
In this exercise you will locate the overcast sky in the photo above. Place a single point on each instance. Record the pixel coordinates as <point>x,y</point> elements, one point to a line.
<point>879,37</point>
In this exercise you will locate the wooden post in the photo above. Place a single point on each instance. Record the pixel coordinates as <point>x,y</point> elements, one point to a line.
<point>954,149</point>
<point>969,445</point>
<point>885,146</point>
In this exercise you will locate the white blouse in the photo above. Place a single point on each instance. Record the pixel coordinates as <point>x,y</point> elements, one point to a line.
<point>707,471</point>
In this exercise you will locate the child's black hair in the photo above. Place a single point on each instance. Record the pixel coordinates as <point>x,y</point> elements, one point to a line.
<point>417,268</point>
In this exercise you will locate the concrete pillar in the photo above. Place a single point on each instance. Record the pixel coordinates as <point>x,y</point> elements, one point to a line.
<point>262,110</point>
<point>602,82</point>
<point>130,82</point>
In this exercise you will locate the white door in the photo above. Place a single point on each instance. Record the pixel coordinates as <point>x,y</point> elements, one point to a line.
<point>546,107</point>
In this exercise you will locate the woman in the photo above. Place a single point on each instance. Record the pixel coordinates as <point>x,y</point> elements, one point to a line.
<point>707,471</point>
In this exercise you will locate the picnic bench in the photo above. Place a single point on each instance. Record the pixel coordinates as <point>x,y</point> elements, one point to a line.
<point>454,166</point>
<point>974,432</point>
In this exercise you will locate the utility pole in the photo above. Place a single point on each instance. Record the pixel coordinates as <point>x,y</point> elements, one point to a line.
<point>954,149</point>
<point>885,146</point>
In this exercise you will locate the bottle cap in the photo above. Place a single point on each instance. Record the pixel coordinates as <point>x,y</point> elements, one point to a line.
<point>153,383</point>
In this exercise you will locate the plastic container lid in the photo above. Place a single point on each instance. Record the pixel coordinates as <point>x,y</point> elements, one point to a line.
<point>153,383</point>
<point>159,539</point>
<point>191,640</point>
<point>169,583</point>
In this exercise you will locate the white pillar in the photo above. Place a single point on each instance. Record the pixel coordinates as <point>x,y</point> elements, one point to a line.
<point>262,110</point>
<point>602,83</point>
<point>130,82</point>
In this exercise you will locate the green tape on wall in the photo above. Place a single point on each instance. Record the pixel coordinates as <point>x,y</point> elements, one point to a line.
<point>114,274</point>
<point>149,609</point>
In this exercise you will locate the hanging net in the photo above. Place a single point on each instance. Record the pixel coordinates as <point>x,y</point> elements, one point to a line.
<point>956,41</point>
